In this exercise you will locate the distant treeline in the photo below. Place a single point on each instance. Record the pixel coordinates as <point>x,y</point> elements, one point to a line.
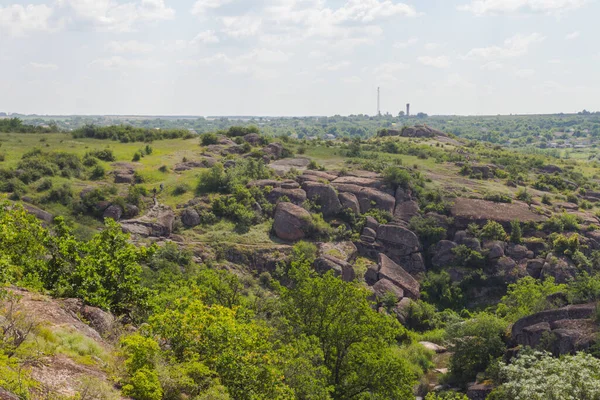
<point>15,125</point>
<point>125,133</point>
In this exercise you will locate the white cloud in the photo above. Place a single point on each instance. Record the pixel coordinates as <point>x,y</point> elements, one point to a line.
<point>129,46</point>
<point>205,37</point>
<point>241,26</point>
<point>492,66</point>
<point>371,10</point>
<point>118,62</point>
<point>436,62</point>
<point>515,46</point>
<point>573,35</point>
<point>18,20</point>
<point>200,7</point>
<point>496,7</point>
<point>43,66</point>
<point>431,46</point>
<point>525,73</point>
<point>407,43</point>
<point>112,16</point>
<point>390,72</point>
<point>334,66</point>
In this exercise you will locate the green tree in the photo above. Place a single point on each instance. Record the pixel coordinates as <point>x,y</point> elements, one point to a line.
<point>526,297</point>
<point>356,341</point>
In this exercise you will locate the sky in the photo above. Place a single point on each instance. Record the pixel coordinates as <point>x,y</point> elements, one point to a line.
<point>298,57</point>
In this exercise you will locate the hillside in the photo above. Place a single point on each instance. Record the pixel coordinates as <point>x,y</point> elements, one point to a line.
<point>239,265</point>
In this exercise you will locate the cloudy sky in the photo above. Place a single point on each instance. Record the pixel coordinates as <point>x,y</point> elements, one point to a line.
<point>298,57</point>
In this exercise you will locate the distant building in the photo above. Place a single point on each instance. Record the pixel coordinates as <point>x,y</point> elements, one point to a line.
<point>329,136</point>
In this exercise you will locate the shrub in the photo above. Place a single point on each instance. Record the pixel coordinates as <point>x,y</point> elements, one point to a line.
<point>97,173</point>
<point>397,177</point>
<point>498,198</point>
<point>537,375</point>
<point>427,229</point>
<point>137,156</point>
<point>209,138</point>
<point>493,231</point>
<point>438,289</point>
<point>523,195</point>
<point>104,155</point>
<point>148,149</point>
<point>44,185</point>
<point>62,195</point>
<point>477,343</point>
<point>466,257</point>
<point>516,234</point>
<point>163,168</point>
<point>527,296</point>
<point>546,200</point>
<point>180,189</point>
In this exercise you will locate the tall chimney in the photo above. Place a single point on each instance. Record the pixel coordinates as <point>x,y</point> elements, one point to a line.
<point>408,109</point>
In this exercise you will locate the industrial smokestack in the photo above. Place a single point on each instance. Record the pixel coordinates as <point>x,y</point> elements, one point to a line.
<point>408,109</point>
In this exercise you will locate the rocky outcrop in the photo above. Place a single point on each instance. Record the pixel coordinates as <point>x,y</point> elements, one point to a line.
<point>349,201</point>
<point>207,162</point>
<point>190,218</point>
<point>420,131</point>
<point>561,269</point>
<point>401,239</point>
<point>405,210</point>
<point>316,176</point>
<point>443,256</point>
<point>274,150</point>
<point>253,138</point>
<point>564,330</point>
<point>101,321</point>
<point>323,195</point>
<point>372,198</point>
<point>291,222</point>
<point>113,212</point>
<point>479,391</point>
<point>6,395</point>
<point>467,211</point>
<point>339,267</point>
<point>40,214</point>
<point>358,181</point>
<point>124,177</point>
<point>384,287</point>
<point>345,251</point>
<point>295,196</point>
<point>158,222</point>
<point>388,269</point>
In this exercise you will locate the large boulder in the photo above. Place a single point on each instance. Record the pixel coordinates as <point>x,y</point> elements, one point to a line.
<point>403,240</point>
<point>566,330</point>
<point>317,176</point>
<point>517,251</point>
<point>339,267</point>
<point>372,198</point>
<point>296,196</point>
<point>466,211</point>
<point>325,196</point>
<point>274,150</point>
<point>345,251</point>
<point>404,211</point>
<point>388,269</point>
<point>40,214</point>
<point>190,217</point>
<point>384,287</point>
<point>291,222</point>
<point>495,249</point>
<point>358,181</point>
<point>253,138</point>
<point>561,269</point>
<point>122,177</point>
<point>113,212</point>
<point>158,222</point>
<point>349,201</point>
<point>443,256</point>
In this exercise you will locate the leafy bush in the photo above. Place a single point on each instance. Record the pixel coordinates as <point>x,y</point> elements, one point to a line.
<point>180,189</point>
<point>523,195</point>
<point>208,139</point>
<point>428,230</point>
<point>438,289</point>
<point>539,376</point>
<point>137,156</point>
<point>527,296</point>
<point>104,155</point>
<point>397,177</point>
<point>62,195</point>
<point>466,257</point>
<point>44,185</point>
<point>493,231</point>
<point>97,173</point>
<point>498,198</point>
<point>516,234</point>
<point>477,342</point>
